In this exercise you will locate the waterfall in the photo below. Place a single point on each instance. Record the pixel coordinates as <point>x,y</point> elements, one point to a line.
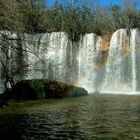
<point>89,58</point>
<point>134,81</point>
<point>1,68</point>
<point>135,45</point>
<point>118,66</point>
<point>55,57</point>
<point>123,64</point>
<point>8,51</point>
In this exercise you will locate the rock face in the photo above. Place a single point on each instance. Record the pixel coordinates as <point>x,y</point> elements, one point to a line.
<point>45,89</point>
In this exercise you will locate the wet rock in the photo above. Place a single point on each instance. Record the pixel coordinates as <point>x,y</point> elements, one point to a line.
<point>3,101</point>
<point>45,89</point>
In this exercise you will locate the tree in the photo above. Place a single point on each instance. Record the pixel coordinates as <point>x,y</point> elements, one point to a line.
<point>11,20</point>
<point>10,17</point>
<point>130,14</point>
<point>11,53</point>
<point>11,49</point>
<point>33,13</point>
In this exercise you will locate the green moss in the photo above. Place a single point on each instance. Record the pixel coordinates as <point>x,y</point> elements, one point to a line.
<point>38,87</point>
<point>45,89</point>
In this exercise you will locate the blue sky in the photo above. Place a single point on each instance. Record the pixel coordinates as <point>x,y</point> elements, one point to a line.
<point>101,2</point>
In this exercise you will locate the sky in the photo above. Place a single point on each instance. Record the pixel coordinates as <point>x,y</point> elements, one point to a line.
<point>102,2</point>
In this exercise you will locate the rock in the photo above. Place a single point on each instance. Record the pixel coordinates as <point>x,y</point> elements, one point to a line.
<point>45,89</point>
<point>3,103</point>
<point>8,94</point>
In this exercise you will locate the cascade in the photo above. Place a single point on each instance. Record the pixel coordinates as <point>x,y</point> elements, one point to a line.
<point>134,81</point>
<point>54,56</point>
<point>135,47</point>
<point>118,66</point>
<point>89,59</point>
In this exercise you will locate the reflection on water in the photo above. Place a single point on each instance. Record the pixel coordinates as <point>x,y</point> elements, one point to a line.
<point>95,117</point>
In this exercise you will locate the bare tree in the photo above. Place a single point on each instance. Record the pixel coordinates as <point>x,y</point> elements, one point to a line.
<point>12,27</point>
<point>10,17</point>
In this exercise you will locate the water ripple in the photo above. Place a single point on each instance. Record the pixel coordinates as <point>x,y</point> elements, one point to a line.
<point>100,117</point>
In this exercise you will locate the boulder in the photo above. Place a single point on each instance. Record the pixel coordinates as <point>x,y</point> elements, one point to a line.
<point>45,89</point>
<point>3,100</point>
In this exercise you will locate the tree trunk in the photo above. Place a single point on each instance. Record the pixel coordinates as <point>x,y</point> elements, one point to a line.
<point>9,80</point>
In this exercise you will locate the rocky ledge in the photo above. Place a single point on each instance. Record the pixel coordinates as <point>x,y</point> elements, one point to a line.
<point>44,89</point>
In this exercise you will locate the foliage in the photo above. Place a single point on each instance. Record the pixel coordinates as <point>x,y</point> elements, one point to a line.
<point>33,16</point>
<point>32,12</point>
<point>10,17</point>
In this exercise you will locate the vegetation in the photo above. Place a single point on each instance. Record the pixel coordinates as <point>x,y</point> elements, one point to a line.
<point>33,16</point>
<point>44,89</point>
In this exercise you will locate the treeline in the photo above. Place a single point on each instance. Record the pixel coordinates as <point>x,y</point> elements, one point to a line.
<point>35,16</point>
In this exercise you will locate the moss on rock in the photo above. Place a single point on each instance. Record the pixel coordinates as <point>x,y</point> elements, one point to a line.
<point>45,89</point>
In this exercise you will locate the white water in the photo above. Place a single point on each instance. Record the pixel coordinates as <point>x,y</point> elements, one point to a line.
<point>134,71</point>
<point>53,56</point>
<point>89,59</point>
<point>135,45</point>
<point>118,66</point>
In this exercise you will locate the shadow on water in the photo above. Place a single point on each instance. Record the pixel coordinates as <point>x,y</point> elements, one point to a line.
<point>99,117</point>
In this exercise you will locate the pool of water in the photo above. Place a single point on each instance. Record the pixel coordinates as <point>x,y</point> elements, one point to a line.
<point>93,117</point>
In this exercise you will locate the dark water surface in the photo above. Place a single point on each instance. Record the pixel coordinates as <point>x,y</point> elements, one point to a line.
<point>94,117</point>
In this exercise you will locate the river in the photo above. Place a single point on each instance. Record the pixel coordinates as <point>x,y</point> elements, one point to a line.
<point>94,117</point>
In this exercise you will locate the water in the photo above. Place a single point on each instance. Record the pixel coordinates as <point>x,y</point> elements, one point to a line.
<point>94,117</point>
<point>53,56</point>
<point>135,58</point>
